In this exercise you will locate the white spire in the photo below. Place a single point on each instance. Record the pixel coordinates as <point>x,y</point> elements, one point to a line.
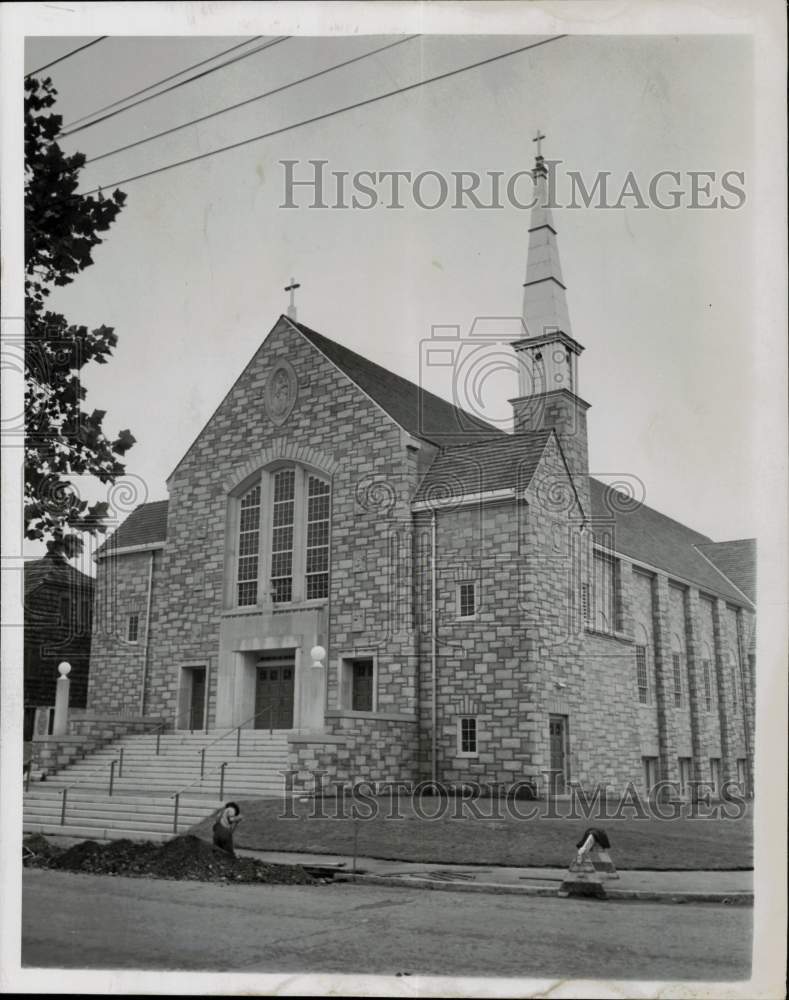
<point>544,298</point>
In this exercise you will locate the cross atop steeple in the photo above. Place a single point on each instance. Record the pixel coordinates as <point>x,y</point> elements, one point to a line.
<point>538,139</point>
<point>292,289</point>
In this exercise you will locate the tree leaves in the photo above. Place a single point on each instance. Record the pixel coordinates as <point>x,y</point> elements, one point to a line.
<point>62,441</point>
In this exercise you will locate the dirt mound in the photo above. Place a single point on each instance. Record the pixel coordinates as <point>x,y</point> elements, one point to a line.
<point>185,857</point>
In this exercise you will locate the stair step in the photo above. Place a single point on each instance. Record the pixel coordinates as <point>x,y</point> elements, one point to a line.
<point>142,804</point>
<point>99,833</point>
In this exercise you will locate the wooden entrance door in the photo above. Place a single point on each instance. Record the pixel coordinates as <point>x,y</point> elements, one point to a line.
<point>274,692</point>
<point>557,734</point>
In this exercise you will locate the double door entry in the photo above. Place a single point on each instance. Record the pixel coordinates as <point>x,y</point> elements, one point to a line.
<point>274,691</point>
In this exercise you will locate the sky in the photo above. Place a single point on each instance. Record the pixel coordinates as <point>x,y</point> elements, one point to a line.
<point>191,275</point>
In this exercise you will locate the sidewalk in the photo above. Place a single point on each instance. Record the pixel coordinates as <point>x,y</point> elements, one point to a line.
<point>733,887</point>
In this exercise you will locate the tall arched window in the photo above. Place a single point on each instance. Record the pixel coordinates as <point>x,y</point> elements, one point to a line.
<point>281,538</point>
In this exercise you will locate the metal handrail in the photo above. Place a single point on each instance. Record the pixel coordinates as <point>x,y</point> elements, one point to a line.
<point>237,729</point>
<point>177,795</point>
<point>221,767</point>
<point>77,784</point>
<point>166,722</point>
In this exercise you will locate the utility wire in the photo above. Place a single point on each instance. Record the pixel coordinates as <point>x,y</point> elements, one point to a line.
<point>249,100</point>
<point>174,86</point>
<point>166,79</point>
<point>327,114</point>
<point>68,55</point>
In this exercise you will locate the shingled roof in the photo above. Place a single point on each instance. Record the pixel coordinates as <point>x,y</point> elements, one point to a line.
<point>147,524</point>
<point>416,410</point>
<point>476,457</point>
<point>55,570</point>
<point>505,462</point>
<point>649,537</point>
<point>737,559</point>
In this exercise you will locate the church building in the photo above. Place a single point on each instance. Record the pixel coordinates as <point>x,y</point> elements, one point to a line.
<point>411,593</point>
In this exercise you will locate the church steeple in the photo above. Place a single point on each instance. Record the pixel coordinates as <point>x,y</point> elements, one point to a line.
<point>544,291</point>
<point>548,355</point>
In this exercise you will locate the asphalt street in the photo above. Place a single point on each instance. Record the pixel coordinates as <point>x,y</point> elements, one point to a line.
<point>100,922</point>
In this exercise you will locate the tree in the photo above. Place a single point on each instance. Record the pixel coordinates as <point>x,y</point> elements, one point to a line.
<point>62,440</point>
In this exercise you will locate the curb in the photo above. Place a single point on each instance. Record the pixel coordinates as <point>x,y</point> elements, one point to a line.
<point>497,888</point>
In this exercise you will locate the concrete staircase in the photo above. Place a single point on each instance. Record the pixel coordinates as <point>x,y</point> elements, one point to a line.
<point>142,804</point>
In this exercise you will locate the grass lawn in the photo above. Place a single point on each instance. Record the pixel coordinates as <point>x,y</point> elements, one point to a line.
<point>543,841</point>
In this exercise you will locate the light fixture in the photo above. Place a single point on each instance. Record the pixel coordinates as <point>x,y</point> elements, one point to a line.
<point>318,655</point>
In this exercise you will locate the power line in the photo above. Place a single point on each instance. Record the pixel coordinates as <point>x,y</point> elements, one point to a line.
<point>68,55</point>
<point>166,79</point>
<point>327,114</point>
<point>250,100</point>
<point>175,86</point>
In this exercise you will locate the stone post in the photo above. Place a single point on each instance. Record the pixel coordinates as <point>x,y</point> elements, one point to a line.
<point>60,724</point>
<point>696,696</point>
<point>664,693</point>
<point>725,694</point>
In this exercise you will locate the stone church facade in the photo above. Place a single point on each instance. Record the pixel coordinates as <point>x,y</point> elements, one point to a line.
<point>488,611</point>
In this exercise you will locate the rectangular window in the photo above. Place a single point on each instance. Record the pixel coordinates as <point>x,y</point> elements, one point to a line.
<point>684,775</point>
<point>676,660</point>
<point>604,618</point>
<point>741,777</point>
<point>317,539</point>
<point>467,599</point>
<point>735,685</point>
<point>586,608</point>
<point>362,685</point>
<point>467,736</point>
<point>282,536</point>
<point>705,666</point>
<point>650,765</point>
<point>248,547</point>
<point>715,772</point>
<point>641,674</point>
<point>133,627</point>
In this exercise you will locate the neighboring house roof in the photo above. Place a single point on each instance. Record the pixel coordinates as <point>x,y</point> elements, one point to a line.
<point>650,537</point>
<point>146,525</point>
<point>505,462</point>
<point>55,571</point>
<point>737,560</point>
<point>416,410</point>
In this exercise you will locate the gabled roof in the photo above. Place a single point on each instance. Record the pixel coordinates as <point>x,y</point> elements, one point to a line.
<point>501,463</point>
<point>737,560</point>
<point>649,537</point>
<point>146,525</point>
<point>55,571</point>
<point>476,457</point>
<point>416,410</point>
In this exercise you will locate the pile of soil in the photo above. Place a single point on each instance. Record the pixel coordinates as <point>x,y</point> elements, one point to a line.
<point>185,857</point>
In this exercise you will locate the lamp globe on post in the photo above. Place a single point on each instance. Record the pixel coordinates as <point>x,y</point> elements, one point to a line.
<point>318,655</point>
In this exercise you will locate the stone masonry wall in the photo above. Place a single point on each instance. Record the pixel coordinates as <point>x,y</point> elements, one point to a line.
<point>374,478</point>
<point>643,634</point>
<point>376,750</point>
<point>115,680</point>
